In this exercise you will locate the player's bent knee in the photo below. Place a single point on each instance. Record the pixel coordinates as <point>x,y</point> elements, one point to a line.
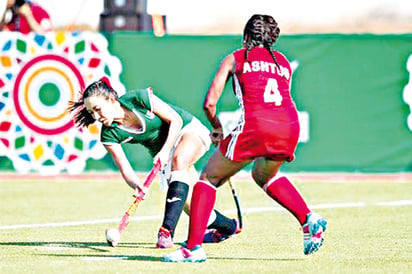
<point>180,162</point>
<point>259,180</point>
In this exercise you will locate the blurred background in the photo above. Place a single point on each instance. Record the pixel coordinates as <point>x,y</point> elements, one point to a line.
<point>227,16</point>
<point>351,59</point>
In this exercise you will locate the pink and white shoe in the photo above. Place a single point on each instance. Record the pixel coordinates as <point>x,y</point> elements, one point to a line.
<point>164,238</point>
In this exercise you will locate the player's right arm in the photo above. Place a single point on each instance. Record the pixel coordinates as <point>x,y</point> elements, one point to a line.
<point>214,93</point>
<point>119,157</point>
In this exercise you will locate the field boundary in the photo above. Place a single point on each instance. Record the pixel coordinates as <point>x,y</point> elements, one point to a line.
<point>334,177</point>
<point>250,210</point>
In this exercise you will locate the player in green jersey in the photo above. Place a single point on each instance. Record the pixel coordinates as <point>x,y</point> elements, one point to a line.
<point>172,135</point>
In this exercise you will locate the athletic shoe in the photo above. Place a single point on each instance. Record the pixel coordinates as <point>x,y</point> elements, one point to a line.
<point>185,255</point>
<point>313,230</point>
<point>164,238</point>
<point>214,236</point>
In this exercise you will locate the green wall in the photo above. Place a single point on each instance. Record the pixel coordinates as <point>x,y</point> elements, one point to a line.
<point>350,85</point>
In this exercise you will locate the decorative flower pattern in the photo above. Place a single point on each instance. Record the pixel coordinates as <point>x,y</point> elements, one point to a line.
<point>407,92</point>
<point>39,75</point>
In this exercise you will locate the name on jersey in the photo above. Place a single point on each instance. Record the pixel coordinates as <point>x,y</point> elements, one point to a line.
<point>255,66</point>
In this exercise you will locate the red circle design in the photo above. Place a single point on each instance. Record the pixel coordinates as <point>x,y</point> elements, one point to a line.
<point>19,77</point>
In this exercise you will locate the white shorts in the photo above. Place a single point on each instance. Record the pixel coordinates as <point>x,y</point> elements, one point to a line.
<point>196,127</point>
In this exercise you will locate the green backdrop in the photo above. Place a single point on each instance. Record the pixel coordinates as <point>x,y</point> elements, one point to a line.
<point>350,85</point>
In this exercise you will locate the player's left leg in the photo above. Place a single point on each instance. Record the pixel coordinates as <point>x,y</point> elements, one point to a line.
<point>284,192</point>
<point>220,228</point>
<point>279,189</point>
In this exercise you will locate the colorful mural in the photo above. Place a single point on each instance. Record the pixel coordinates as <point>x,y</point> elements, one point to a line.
<point>39,75</point>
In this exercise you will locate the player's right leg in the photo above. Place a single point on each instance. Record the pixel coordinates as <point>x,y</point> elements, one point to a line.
<point>216,172</point>
<point>189,148</point>
<point>175,199</point>
<point>219,226</point>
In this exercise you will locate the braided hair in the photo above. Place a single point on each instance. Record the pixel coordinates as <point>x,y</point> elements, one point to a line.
<point>261,30</point>
<point>102,87</point>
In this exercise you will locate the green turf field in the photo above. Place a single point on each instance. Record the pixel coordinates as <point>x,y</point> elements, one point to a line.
<point>57,226</point>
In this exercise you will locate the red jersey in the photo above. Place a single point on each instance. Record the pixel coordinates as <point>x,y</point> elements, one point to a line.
<point>269,125</point>
<point>19,23</point>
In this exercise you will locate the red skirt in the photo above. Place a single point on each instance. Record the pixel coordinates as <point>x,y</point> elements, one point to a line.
<point>262,138</point>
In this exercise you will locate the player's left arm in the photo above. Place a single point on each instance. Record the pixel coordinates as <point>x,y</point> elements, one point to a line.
<point>169,115</point>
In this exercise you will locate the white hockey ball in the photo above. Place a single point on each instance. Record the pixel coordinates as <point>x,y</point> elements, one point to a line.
<point>113,236</point>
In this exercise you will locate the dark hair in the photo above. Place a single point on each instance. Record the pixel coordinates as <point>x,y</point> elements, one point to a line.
<point>261,30</point>
<point>102,87</point>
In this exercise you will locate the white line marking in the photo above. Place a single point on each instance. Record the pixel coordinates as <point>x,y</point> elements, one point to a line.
<point>395,203</point>
<point>56,247</point>
<point>278,208</point>
<point>246,210</point>
<point>103,221</point>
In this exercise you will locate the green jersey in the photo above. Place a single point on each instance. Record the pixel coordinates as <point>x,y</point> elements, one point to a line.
<point>154,130</point>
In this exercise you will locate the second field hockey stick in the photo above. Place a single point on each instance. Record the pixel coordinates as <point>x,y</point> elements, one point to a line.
<point>236,198</point>
<point>124,222</point>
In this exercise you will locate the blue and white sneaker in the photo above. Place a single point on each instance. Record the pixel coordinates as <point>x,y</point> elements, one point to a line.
<point>185,255</point>
<point>313,230</point>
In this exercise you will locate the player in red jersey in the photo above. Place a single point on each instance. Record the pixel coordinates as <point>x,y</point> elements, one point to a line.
<point>266,134</point>
<point>26,16</point>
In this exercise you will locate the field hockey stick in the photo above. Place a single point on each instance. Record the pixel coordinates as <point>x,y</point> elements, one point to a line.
<point>113,235</point>
<point>124,222</point>
<point>236,198</point>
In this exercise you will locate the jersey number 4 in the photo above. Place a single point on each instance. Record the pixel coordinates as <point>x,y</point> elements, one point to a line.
<point>272,93</point>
